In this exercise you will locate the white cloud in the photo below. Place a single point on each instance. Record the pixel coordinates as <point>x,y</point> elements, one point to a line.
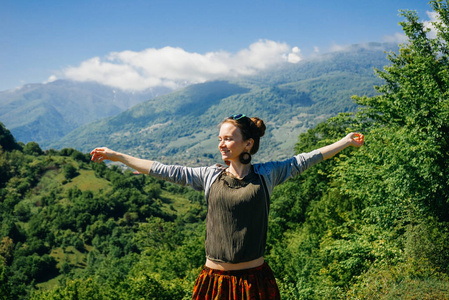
<point>433,17</point>
<point>172,67</point>
<point>397,38</point>
<point>294,56</point>
<point>51,79</point>
<point>402,38</point>
<point>337,48</point>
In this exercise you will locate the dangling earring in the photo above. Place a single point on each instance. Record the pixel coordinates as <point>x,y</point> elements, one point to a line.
<point>245,158</point>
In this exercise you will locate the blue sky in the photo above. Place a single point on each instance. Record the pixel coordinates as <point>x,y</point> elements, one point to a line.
<point>137,44</point>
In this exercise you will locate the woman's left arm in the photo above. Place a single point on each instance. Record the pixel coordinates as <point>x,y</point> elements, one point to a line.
<point>352,139</point>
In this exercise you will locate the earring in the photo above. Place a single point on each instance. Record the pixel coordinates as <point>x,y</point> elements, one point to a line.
<point>245,158</point>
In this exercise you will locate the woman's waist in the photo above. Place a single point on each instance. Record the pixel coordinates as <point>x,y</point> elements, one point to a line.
<point>223,266</point>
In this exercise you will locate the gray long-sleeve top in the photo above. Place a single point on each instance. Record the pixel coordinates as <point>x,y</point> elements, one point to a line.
<point>239,240</point>
<point>201,178</point>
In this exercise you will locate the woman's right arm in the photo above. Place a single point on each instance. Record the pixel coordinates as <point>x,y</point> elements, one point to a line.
<point>138,164</point>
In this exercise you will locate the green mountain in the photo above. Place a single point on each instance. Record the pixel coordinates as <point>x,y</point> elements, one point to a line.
<point>44,113</point>
<point>181,127</point>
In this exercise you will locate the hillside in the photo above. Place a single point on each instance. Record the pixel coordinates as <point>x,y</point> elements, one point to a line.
<point>63,216</point>
<point>182,126</point>
<point>44,113</point>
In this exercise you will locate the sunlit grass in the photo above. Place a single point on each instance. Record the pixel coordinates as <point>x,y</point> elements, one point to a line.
<point>87,181</point>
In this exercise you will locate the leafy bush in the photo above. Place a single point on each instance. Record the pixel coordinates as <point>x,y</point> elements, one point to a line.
<point>70,171</point>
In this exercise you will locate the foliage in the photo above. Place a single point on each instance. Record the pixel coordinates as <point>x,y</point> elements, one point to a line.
<point>7,140</point>
<point>378,220</point>
<point>70,171</point>
<point>32,148</point>
<point>56,228</point>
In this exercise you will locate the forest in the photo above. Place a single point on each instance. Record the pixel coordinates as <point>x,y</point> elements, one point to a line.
<point>370,223</point>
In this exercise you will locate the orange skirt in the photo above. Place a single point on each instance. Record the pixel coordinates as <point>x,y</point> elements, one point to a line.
<point>256,283</point>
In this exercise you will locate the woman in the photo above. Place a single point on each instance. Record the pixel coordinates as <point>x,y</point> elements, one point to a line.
<point>237,197</point>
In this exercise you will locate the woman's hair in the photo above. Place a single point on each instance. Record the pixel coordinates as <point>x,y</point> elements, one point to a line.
<point>251,128</point>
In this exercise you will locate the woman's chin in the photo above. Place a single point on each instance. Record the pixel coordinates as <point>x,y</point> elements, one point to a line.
<point>226,159</point>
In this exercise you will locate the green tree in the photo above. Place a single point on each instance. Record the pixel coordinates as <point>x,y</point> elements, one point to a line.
<point>5,292</point>
<point>33,148</point>
<point>70,171</point>
<point>402,174</point>
<point>7,140</point>
<point>410,116</point>
<point>381,212</point>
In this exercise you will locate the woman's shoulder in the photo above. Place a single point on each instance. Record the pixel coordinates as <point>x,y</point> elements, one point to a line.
<point>216,168</point>
<point>213,169</point>
<point>271,165</point>
<point>293,161</point>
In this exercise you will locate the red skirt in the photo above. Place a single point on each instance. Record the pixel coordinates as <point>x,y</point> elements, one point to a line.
<point>256,283</point>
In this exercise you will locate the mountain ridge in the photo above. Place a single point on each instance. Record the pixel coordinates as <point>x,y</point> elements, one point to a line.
<point>44,113</point>
<point>180,127</point>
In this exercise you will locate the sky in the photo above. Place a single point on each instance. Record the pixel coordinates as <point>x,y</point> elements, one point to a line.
<point>138,44</point>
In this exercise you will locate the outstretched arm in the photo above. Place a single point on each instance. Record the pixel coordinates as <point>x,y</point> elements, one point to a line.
<point>103,153</point>
<point>352,139</point>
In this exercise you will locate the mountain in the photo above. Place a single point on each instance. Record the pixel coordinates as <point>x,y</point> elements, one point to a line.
<point>181,127</point>
<point>45,113</point>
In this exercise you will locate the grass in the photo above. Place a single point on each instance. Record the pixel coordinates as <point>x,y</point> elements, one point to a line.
<point>180,204</point>
<point>413,289</point>
<point>420,289</point>
<point>70,255</point>
<point>87,181</point>
<point>401,282</point>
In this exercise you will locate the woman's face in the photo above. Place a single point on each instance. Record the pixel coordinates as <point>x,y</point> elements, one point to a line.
<point>231,143</point>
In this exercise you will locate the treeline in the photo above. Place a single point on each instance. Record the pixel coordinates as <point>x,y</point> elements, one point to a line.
<point>371,223</point>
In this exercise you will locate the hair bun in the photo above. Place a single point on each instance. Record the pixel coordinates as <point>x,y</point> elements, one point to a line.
<point>260,125</point>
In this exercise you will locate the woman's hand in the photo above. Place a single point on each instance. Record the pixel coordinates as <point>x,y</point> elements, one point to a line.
<point>355,139</point>
<point>103,153</point>
<point>352,139</point>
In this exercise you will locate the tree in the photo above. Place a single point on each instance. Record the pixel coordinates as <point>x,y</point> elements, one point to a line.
<point>33,148</point>
<point>5,292</point>
<point>380,221</point>
<point>401,179</point>
<point>410,115</point>
<point>7,140</point>
<point>70,171</point>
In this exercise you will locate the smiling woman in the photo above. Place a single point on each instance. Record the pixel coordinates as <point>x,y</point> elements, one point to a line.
<point>240,139</point>
<point>238,200</point>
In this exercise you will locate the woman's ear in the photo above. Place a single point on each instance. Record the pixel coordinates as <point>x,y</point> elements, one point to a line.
<point>249,144</point>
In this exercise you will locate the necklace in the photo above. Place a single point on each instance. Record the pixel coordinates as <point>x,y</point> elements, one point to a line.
<point>237,176</point>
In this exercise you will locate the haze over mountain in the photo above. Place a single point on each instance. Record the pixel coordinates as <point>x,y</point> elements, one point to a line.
<point>181,127</point>
<point>44,113</point>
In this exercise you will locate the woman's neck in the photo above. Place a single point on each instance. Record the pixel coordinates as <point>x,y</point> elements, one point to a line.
<point>239,170</point>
